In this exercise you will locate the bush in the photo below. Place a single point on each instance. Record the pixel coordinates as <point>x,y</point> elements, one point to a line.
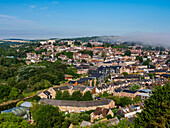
<point>85,117</point>
<point>109,116</point>
<point>19,103</point>
<point>118,116</point>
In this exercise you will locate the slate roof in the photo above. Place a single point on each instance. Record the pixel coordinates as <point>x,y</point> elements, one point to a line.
<point>81,88</point>
<point>97,75</point>
<point>100,111</point>
<point>61,88</point>
<point>75,103</point>
<point>129,91</point>
<point>47,93</point>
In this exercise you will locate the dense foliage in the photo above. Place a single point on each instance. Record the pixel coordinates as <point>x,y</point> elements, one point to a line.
<point>156,113</point>
<point>17,78</point>
<point>135,87</point>
<point>9,120</point>
<point>120,101</point>
<point>47,116</point>
<point>76,95</point>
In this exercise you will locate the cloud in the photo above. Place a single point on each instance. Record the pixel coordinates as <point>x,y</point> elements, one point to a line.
<point>7,16</point>
<point>158,39</point>
<point>32,6</point>
<point>13,21</point>
<point>55,2</point>
<point>155,39</point>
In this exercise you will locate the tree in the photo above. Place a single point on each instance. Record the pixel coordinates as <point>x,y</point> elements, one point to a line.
<point>128,53</point>
<point>88,96</point>
<point>105,94</point>
<point>168,60</point>
<point>47,116</point>
<point>84,61</point>
<point>93,82</point>
<point>109,76</point>
<point>11,81</point>
<point>69,55</point>
<point>156,109</point>
<point>135,87</point>
<point>146,62</point>
<point>140,58</point>
<point>97,82</point>
<point>89,44</point>
<point>103,54</point>
<point>13,94</point>
<point>66,95</point>
<point>21,85</point>
<point>77,43</point>
<point>109,116</point>
<point>137,99</point>
<point>107,45</point>
<point>58,95</point>
<point>125,73</point>
<point>9,120</point>
<point>4,91</point>
<point>125,101</point>
<point>77,95</point>
<point>85,117</point>
<point>75,118</point>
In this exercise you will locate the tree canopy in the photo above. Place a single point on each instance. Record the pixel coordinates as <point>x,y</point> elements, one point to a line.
<point>47,116</point>
<point>156,111</point>
<point>9,120</point>
<point>135,87</point>
<point>128,53</point>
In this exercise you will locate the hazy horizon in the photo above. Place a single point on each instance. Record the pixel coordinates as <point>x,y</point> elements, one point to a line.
<point>42,19</point>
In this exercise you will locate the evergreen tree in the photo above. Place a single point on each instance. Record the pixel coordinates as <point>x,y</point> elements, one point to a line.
<point>87,96</point>
<point>156,113</point>
<point>77,95</point>
<point>66,95</point>
<point>128,53</point>
<point>58,95</point>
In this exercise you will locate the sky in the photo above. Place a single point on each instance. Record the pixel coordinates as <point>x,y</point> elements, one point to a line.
<point>35,19</point>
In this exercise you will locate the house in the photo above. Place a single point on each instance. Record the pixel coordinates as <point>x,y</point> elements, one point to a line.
<point>53,90</point>
<point>68,77</point>
<point>130,110</point>
<point>85,123</point>
<point>83,89</point>
<point>100,112</point>
<point>63,57</point>
<point>79,106</point>
<point>82,81</point>
<point>126,93</point>
<point>109,69</point>
<point>44,94</point>
<point>98,76</point>
<point>144,93</point>
<point>104,88</point>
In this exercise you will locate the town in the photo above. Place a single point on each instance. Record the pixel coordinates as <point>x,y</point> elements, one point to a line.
<point>81,82</point>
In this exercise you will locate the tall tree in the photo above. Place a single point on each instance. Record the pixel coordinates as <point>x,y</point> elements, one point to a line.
<point>14,93</point>
<point>47,116</point>
<point>9,120</point>
<point>66,95</point>
<point>87,96</point>
<point>135,87</point>
<point>77,95</point>
<point>128,53</point>
<point>156,113</point>
<point>58,95</point>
